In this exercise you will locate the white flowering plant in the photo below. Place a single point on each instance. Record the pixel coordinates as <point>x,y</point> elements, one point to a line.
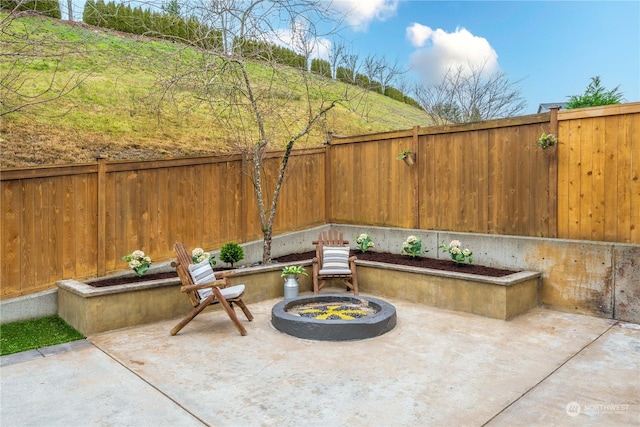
<point>364,242</point>
<point>547,140</point>
<point>138,261</point>
<point>413,246</point>
<point>199,255</point>
<point>457,253</point>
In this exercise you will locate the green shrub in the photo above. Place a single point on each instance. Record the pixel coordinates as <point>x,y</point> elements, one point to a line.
<point>231,253</point>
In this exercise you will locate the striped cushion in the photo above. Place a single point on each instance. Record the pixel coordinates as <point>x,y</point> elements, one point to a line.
<point>202,273</point>
<point>335,260</point>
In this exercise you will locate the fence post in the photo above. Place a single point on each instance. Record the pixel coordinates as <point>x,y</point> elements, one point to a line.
<point>245,181</point>
<point>415,147</point>
<point>102,215</point>
<point>553,175</point>
<point>328,206</point>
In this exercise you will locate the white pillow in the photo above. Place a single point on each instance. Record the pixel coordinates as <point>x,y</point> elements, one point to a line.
<point>202,273</point>
<point>335,260</point>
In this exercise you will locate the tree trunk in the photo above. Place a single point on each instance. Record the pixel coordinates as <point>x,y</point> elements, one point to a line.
<point>266,246</point>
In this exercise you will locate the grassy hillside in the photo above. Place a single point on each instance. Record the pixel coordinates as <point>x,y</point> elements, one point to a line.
<point>115,110</point>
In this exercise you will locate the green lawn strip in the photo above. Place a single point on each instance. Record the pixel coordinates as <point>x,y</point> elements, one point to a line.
<point>37,333</point>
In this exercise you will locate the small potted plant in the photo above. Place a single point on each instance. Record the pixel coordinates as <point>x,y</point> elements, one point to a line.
<point>408,156</point>
<point>547,140</point>
<point>291,285</point>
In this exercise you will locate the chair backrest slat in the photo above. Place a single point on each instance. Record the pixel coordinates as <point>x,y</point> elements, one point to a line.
<point>182,266</point>
<point>328,238</point>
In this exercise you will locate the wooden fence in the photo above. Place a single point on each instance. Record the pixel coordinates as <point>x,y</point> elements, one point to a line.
<point>62,222</point>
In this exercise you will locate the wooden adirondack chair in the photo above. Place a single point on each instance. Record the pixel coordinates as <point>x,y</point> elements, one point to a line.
<point>332,261</point>
<point>223,293</point>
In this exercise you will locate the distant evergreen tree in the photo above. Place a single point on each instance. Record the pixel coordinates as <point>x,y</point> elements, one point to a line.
<point>50,8</point>
<point>90,13</point>
<point>595,95</point>
<point>344,75</point>
<point>410,101</point>
<point>321,67</point>
<point>394,93</point>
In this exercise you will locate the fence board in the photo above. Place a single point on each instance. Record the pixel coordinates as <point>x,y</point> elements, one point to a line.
<point>633,135</point>
<point>11,208</point>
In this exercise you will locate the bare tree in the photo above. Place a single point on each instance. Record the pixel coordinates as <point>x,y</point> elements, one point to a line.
<point>23,53</point>
<point>380,71</point>
<point>336,57</point>
<point>469,94</point>
<point>258,103</point>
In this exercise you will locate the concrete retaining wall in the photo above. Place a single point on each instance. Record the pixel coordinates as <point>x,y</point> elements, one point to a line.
<point>595,278</point>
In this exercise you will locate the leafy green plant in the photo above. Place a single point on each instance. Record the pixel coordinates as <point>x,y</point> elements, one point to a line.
<point>231,253</point>
<point>547,140</point>
<point>138,261</point>
<point>364,242</point>
<point>595,95</point>
<point>413,246</point>
<point>404,154</point>
<point>457,254</point>
<point>199,255</point>
<point>36,333</point>
<point>293,269</point>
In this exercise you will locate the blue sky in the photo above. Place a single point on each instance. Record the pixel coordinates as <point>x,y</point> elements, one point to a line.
<point>554,47</point>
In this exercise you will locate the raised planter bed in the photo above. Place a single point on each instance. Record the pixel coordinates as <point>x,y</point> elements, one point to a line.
<point>497,297</point>
<point>92,310</point>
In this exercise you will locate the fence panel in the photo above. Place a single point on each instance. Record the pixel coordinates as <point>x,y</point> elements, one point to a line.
<point>485,180</point>
<point>48,229</point>
<point>599,173</point>
<point>368,184</point>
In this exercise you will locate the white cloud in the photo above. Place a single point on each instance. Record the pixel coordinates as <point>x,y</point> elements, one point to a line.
<point>360,13</point>
<point>418,34</point>
<point>439,51</point>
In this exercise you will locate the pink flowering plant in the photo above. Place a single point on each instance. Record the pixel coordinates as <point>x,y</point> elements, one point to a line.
<point>138,261</point>
<point>457,253</point>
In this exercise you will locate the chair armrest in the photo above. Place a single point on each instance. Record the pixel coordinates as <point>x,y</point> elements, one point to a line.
<point>220,282</point>
<point>225,273</point>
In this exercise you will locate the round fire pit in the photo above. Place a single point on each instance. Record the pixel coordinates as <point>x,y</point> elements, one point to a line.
<point>333,317</point>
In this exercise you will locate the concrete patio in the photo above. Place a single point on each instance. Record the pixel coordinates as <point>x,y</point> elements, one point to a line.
<point>436,368</point>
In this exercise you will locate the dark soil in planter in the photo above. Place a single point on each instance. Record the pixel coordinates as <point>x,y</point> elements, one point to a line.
<point>424,262</point>
<point>128,280</point>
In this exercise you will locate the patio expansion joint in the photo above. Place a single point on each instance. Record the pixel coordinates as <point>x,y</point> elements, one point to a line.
<point>151,385</point>
<point>588,344</point>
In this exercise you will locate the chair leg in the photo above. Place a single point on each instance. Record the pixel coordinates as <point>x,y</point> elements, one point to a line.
<point>230,312</point>
<point>244,309</point>
<point>192,315</point>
